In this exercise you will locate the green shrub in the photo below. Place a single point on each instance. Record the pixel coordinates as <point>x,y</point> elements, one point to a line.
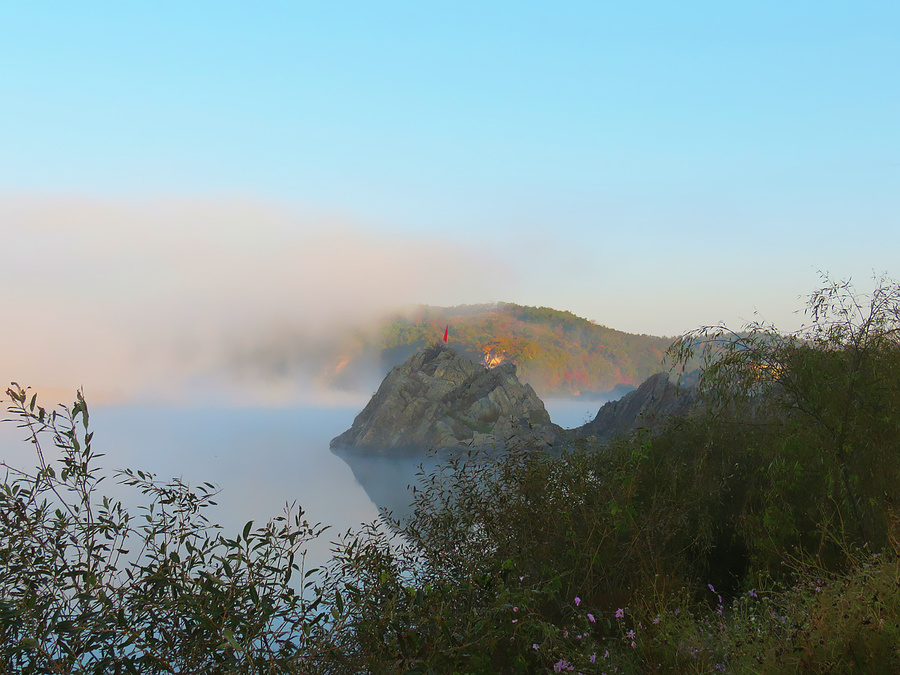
<point>87,587</point>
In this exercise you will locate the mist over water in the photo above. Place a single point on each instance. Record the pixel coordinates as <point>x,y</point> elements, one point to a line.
<point>260,457</point>
<point>574,412</point>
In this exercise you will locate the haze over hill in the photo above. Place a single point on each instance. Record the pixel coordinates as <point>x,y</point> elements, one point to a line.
<point>557,352</point>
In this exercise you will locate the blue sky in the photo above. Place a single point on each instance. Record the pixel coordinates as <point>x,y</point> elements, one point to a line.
<point>652,166</point>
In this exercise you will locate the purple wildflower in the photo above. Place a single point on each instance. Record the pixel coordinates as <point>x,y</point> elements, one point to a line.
<point>620,613</point>
<point>593,658</point>
<point>577,601</point>
<point>752,593</point>
<point>591,618</point>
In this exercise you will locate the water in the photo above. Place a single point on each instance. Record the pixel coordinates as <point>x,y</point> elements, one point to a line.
<point>261,458</point>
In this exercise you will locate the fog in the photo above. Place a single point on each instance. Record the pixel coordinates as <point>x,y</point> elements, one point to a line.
<point>217,300</point>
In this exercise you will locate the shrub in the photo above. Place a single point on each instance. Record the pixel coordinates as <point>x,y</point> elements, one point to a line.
<point>87,587</point>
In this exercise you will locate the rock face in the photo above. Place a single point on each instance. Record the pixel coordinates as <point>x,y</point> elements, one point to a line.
<point>647,407</point>
<point>439,399</point>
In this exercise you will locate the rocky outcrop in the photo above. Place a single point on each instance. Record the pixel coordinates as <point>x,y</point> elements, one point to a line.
<point>648,407</point>
<point>440,399</point>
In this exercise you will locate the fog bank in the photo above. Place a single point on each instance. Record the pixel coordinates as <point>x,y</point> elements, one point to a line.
<point>180,300</point>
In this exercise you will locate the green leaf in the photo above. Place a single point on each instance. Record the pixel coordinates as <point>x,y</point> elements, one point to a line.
<point>231,639</point>
<point>29,643</point>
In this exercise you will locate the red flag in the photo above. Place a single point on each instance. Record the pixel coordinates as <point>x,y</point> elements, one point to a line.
<point>446,332</point>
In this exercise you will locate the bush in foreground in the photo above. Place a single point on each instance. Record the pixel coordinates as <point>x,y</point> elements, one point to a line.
<point>88,587</point>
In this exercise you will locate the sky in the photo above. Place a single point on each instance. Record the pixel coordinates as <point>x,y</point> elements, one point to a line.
<point>177,178</point>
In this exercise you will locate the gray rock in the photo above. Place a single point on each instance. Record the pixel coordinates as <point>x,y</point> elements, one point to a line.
<point>440,399</point>
<point>650,406</point>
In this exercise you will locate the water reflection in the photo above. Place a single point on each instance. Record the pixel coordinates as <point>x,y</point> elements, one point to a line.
<point>388,481</point>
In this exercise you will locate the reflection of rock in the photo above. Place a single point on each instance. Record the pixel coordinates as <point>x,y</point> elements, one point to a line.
<point>388,481</point>
<point>647,407</point>
<point>439,399</point>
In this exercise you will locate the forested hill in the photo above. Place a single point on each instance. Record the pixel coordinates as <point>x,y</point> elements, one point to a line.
<point>557,352</point>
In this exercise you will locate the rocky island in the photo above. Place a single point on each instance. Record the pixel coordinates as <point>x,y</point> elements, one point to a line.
<point>650,407</point>
<point>441,399</point>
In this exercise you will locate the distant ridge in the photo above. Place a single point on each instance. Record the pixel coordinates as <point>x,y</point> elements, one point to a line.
<point>557,352</point>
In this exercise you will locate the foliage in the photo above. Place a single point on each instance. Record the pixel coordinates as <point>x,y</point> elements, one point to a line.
<point>557,352</point>
<point>87,587</point>
<point>828,400</point>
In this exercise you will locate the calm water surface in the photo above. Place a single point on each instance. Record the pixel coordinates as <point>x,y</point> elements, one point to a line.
<point>261,458</point>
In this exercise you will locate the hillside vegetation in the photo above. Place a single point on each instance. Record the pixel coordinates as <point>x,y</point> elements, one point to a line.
<point>557,352</point>
<point>759,534</point>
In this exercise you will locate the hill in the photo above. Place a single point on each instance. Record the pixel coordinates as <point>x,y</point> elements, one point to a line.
<point>557,352</point>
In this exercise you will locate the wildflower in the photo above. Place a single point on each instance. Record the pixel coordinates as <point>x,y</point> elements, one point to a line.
<point>515,609</point>
<point>620,613</point>
<point>752,593</point>
<point>561,665</point>
<point>593,658</point>
<point>720,666</point>
<point>591,618</point>
<point>535,646</point>
<point>515,621</point>
<point>656,620</point>
<point>677,611</point>
<point>633,645</point>
<point>606,655</point>
<point>710,586</point>
<point>577,601</point>
<point>630,635</point>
